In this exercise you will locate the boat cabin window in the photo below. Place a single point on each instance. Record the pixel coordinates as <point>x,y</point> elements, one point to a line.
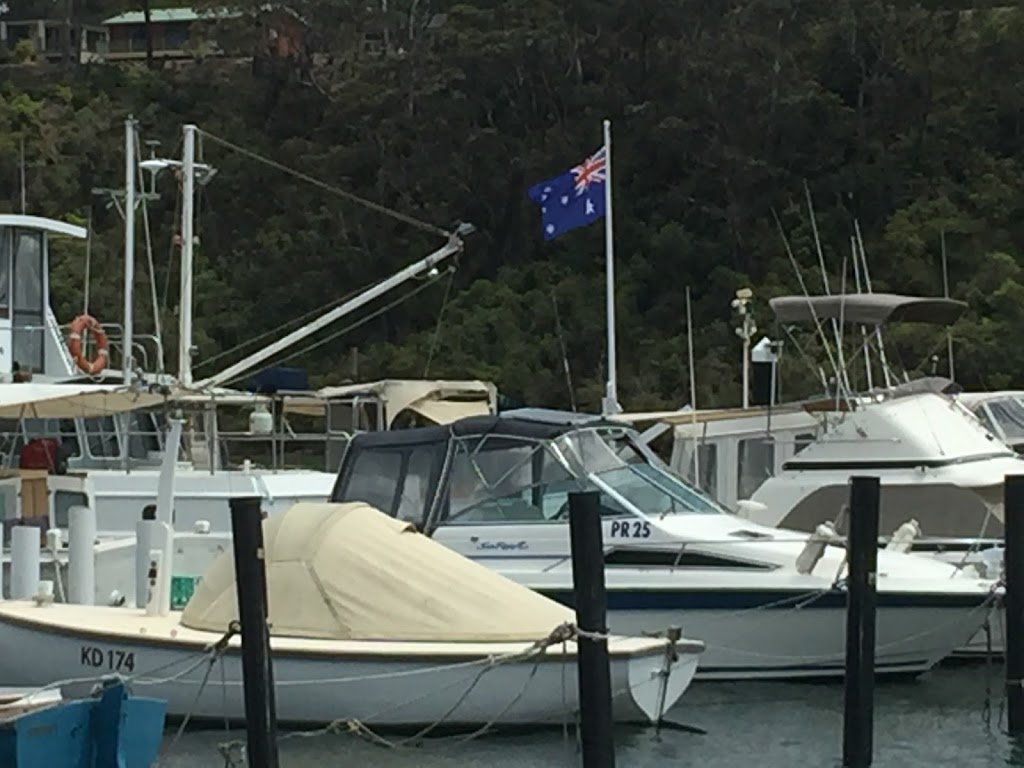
<point>361,414</point>
<point>374,477</point>
<point>756,464</point>
<point>511,480</point>
<point>28,300</point>
<point>500,479</point>
<point>620,465</point>
<point>801,441</point>
<point>63,501</point>
<point>398,481</point>
<point>981,412</point>
<point>1008,415</point>
<point>415,493</point>
<point>707,463</point>
<point>143,434</point>
<point>6,248</point>
<point>101,437</point>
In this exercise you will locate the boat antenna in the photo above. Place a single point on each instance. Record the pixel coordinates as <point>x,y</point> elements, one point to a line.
<point>883,361</point>
<point>88,259</point>
<point>440,320</point>
<point>842,378</point>
<point>145,195</point>
<point>842,317</point>
<point>21,166</point>
<point>693,389</point>
<point>865,346</point>
<point>810,304</point>
<point>945,290</point>
<point>745,331</point>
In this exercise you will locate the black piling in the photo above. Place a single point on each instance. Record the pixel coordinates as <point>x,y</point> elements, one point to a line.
<point>1013,563</point>
<point>257,670</point>
<point>862,553</point>
<point>595,684</point>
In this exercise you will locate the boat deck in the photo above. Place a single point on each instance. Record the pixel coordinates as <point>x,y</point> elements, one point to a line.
<point>129,624</point>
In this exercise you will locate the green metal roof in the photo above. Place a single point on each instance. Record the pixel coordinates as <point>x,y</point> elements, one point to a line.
<point>167,15</point>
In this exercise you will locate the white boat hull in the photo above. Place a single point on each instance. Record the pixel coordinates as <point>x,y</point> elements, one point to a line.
<point>770,634</point>
<point>379,685</point>
<point>794,643</point>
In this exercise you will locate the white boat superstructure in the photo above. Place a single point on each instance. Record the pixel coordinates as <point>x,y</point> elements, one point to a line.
<point>767,602</point>
<point>939,454</point>
<point>936,462</point>
<point>371,623</point>
<point>67,438</point>
<point>58,451</point>
<point>111,444</point>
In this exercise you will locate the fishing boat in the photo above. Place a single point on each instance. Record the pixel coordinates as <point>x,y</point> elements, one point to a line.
<point>85,409</point>
<point>767,602</point>
<point>371,623</point>
<point>109,458</point>
<point>940,462</point>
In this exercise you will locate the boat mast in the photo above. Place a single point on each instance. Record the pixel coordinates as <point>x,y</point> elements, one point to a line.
<point>188,172</point>
<point>129,247</point>
<point>424,265</point>
<point>745,331</point>
<point>945,292</point>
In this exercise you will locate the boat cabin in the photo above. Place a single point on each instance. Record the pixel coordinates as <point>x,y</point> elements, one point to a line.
<point>31,339</point>
<point>742,454</point>
<point>513,468</point>
<point>730,453</point>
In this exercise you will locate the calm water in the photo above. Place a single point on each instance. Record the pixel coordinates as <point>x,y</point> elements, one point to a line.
<point>953,716</point>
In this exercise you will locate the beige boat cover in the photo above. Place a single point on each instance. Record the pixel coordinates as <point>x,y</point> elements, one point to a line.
<point>349,572</point>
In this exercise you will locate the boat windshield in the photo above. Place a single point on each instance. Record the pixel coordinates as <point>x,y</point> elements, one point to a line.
<point>502,479</point>
<point>615,462</point>
<point>1008,415</point>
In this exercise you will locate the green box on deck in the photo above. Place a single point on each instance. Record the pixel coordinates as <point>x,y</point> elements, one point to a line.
<point>182,588</point>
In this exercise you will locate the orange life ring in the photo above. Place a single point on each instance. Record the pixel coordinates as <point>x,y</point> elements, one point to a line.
<point>79,325</point>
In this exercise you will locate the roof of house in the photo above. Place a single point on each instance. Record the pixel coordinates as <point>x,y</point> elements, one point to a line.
<point>169,15</point>
<point>166,15</point>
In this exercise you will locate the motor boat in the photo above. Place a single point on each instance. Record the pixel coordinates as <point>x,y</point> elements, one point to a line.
<point>371,624</point>
<point>767,602</point>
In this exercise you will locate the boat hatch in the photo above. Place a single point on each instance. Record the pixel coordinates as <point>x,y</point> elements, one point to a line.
<point>751,535</point>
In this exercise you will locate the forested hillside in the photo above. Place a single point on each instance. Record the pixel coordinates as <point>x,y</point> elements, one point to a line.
<point>906,117</point>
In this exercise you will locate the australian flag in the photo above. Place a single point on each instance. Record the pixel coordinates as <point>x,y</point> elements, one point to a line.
<point>574,199</point>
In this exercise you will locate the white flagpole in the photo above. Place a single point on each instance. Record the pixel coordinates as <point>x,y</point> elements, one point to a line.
<point>610,404</point>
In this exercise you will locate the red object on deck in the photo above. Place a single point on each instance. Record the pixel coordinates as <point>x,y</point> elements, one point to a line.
<point>40,453</point>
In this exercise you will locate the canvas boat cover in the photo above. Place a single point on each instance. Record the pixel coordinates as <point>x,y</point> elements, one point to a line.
<point>349,572</point>
<point>36,400</point>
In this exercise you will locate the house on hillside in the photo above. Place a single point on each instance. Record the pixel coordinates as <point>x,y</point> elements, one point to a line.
<point>185,33</point>
<point>44,38</point>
